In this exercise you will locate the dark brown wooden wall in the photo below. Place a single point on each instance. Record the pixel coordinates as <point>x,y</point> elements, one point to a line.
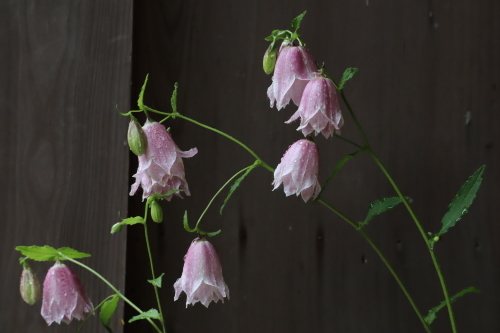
<point>64,67</point>
<point>291,267</point>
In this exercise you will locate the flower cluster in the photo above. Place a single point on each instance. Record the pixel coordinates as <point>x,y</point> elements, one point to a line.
<point>296,77</point>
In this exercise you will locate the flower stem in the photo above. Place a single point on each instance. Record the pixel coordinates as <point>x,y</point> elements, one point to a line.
<point>409,209</point>
<point>383,258</point>
<point>125,299</point>
<point>220,190</point>
<point>146,236</point>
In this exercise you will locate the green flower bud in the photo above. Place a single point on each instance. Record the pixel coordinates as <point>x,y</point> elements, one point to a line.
<point>269,59</point>
<point>30,287</point>
<point>156,211</point>
<point>137,140</point>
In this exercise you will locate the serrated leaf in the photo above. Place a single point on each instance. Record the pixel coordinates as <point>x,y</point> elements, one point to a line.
<point>133,220</point>
<point>432,312</point>
<point>348,74</point>
<point>296,21</point>
<point>140,100</point>
<point>107,310</point>
<point>462,201</point>
<point>337,168</point>
<point>48,253</point>
<point>151,314</point>
<point>380,206</point>
<point>157,281</point>
<point>234,187</point>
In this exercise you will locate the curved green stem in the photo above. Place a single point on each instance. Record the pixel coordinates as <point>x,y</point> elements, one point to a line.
<point>262,163</point>
<point>220,190</point>
<point>383,258</point>
<point>146,236</point>
<point>408,208</point>
<point>125,299</point>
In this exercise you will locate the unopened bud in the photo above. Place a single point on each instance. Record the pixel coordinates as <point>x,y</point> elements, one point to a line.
<point>30,287</point>
<point>137,140</point>
<point>156,211</point>
<point>269,59</point>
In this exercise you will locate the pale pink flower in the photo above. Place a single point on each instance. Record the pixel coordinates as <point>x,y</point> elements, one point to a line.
<point>63,296</point>
<point>295,66</point>
<point>298,170</point>
<point>319,109</point>
<point>201,278</point>
<point>161,168</point>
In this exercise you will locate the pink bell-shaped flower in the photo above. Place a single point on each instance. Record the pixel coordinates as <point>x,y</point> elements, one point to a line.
<point>161,168</point>
<point>63,296</point>
<point>295,66</point>
<point>319,109</point>
<point>201,278</point>
<point>298,170</point>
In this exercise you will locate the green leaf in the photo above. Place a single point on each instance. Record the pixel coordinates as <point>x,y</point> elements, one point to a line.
<point>48,253</point>
<point>462,201</point>
<point>133,220</point>
<point>235,186</point>
<point>152,314</point>
<point>432,312</point>
<point>157,196</point>
<point>173,100</point>
<point>209,234</point>
<point>107,310</point>
<point>336,169</point>
<point>140,101</point>
<point>186,223</point>
<point>296,21</point>
<point>348,74</point>
<point>157,281</point>
<point>380,206</point>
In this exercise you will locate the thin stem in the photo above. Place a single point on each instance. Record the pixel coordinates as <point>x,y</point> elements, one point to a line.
<point>383,258</point>
<point>408,208</point>
<point>152,267</point>
<point>125,299</point>
<point>348,141</point>
<point>262,163</point>
<point>220,190</point>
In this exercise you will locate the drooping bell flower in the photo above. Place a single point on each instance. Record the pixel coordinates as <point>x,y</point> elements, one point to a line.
<point>319,109</point>
<point>29,286</point>
<point>298,170</point>
<point>201,278</point>
<point>161,168</point>
<point>63,296</point>
<point>294,68</point>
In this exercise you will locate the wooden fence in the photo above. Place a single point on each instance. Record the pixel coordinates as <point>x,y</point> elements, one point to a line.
<point>426,93</point>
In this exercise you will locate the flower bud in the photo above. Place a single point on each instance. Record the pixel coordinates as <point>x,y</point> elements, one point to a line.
<point>30,287</point>
<point>269,59</point>
<point>156,211</point>
<point>137,140</point>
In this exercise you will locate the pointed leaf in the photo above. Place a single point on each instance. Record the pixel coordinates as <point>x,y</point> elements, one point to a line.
<point>235,186</point>
<point>432,312</point>
<point>107,310</point>
<point>337,168</point>
<point>186,223</point>
<point>209,234</point>
<point>133,220</point>
<point>296,21</point>
<point>48,253</point>
<point>462,201</point>
<point>348,74</point>
<point>157,281</point>
<point>152,314</point>
<point>380,206</point>
<point>140,101</point>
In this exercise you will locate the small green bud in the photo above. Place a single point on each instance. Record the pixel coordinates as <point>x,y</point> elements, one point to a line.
<point>436,238</point>
<point>156,211</point>
<point>116,227</point>
<point>29,287</point>
<point>137,140</point>
<point>269,59</point>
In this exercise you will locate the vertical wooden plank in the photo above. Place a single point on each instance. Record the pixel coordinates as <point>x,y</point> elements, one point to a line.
<point>65,65</point>
<point>294,267</point>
